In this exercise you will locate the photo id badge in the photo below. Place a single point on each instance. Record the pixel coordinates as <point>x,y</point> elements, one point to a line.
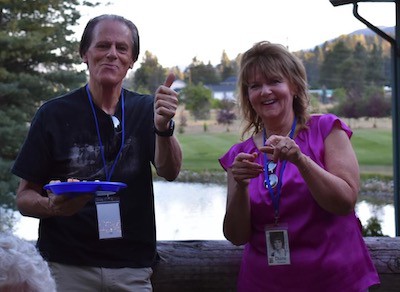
<point>277,244</point>
<point>108,217</point>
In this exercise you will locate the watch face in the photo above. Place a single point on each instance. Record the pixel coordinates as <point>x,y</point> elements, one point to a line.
<point>172,126</point>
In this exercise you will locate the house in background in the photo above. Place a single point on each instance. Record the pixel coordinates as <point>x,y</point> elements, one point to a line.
<point>225,90</point>
<point>324,95</point>
<point>178,85</point>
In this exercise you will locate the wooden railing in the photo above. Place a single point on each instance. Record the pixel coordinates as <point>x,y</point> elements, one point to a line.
<point>204,266</point>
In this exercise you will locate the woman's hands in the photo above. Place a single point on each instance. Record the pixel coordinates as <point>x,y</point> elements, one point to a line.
<point>282,148</point>
<point>244,168</point>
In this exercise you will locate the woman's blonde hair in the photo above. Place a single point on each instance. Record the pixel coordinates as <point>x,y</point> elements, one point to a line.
<point>272,61</point>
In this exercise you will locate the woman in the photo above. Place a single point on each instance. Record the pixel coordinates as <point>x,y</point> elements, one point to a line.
<point>296,174</point>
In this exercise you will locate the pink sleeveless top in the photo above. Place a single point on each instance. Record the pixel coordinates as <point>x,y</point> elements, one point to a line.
<point>327,251</point>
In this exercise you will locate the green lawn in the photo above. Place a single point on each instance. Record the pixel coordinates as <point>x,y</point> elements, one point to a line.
<point>373,148</point>
<point>201,151</point>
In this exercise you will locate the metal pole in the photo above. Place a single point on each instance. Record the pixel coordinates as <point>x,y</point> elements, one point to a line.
<point>395,101</point>
<point>396,118</point>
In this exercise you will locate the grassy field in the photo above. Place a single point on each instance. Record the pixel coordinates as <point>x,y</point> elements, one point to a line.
<point>202,150</point>
<point>374,150</point>
<point>373,147</point>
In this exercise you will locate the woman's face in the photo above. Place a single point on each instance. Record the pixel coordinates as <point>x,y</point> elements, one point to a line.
<point>109,56</point>
<point>270,98</point>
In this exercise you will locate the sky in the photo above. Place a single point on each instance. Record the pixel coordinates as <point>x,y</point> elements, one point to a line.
<point>176,31</point>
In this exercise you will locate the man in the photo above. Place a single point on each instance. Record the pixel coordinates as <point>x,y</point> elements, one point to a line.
<point>100,132</point>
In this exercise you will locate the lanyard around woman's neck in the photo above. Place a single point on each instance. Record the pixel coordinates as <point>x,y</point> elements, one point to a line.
<point>108,172</point>
<point>275,199</point>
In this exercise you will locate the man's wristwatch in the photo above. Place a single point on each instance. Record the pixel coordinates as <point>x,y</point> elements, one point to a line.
<point>167,133</point>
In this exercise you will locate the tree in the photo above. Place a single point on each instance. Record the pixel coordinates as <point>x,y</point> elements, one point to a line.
<point>375,67</point>
<point>198,72</point>
<point>352,71</point>
<point>375,105</point>
<point>38,61</point>
<point>7,219</point>
<point>312,61</point>
<point>373,228</point>
<point>330,68</point>
<point>347,107</point>
<point>149,76</point>
<point>324,64</point>
<point>226,114</point>
<point>197,100</point>
<point>227,68</point>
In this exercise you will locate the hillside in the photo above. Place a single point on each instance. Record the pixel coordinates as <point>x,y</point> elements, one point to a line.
<point>369,32</point>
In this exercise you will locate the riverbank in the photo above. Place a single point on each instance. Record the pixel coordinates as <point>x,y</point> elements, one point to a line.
<point>378,188</point>
<point>376,180</point>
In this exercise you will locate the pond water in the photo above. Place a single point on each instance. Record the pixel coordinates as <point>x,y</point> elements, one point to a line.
<point>194,211</point>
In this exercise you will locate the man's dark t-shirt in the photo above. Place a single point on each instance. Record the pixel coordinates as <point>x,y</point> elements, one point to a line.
<point>63,143</point>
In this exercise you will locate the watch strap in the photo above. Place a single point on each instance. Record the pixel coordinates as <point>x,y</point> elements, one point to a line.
<point>167,133</point>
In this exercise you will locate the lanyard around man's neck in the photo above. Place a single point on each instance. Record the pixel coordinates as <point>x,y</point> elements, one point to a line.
<point>108,172</point>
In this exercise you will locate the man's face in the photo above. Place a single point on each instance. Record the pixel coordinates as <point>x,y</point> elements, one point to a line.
<point>109,56</point>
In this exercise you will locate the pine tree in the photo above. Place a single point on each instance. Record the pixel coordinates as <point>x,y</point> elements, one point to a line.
<point>38,61</point>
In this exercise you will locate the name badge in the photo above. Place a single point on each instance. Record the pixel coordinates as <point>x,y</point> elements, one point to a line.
<point>277,243</point>
<point>108,216</point>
